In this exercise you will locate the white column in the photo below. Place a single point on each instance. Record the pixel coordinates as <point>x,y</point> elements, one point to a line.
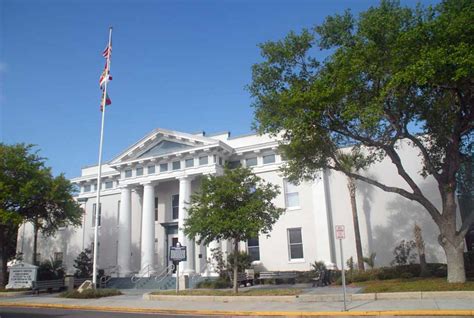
<point>148,230</point>
<point>212,264</point>
<point>125,233</point>
<point>184,199</point>
<point>322,226</point>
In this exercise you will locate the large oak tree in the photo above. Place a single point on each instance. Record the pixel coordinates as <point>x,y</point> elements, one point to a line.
<point>391,74</point>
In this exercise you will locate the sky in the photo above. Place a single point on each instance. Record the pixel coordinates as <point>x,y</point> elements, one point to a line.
<point>180,65</point>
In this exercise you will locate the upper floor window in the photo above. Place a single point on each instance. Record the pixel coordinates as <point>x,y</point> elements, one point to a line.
<point>203,160</point>
<point>176,165</point>
<point>139,171</point>
<point>94,208</point>
<point>109,184</point>
<point>151,169</point>
<point>175,206</point>
<point>189,162</point>
<point>234,164</point>
<point>87,188</point>
<point>156,209</point>
<point>295,243</point>
<point>163,167</point>
<point>268,159</point>
<point>253,246</point>
<point>128,173</point>
<point>292,199</point>
<point>249,162</point>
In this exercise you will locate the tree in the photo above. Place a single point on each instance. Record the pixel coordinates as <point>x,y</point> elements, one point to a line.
<point>26,184</point>
<point>83,264</point>
<point>391,75</point>
<point>353,163</point>
<point>235,206</point>
<point>420,246</point>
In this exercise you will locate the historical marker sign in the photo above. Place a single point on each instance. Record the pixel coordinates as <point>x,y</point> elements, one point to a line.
<point>178,253</point>
<point>340,232</point>
<point>21,275</point>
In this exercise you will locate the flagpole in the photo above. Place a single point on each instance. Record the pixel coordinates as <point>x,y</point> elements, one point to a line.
<point>99,173</point>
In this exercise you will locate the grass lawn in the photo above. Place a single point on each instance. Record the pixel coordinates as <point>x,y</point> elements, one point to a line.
<point>2,290</point>
<point>251,292</point>
<point>412,284</point>
<point>91,293</point>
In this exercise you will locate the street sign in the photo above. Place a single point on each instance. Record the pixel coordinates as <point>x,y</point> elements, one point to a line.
<point>178,253</point>
<point>340,232</point>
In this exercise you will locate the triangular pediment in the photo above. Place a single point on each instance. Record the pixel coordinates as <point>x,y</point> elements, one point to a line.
<point>161,142</point>
<point>162,148</point>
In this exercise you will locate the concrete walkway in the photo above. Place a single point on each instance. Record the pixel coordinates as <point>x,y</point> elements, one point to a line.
<point>136,303</point>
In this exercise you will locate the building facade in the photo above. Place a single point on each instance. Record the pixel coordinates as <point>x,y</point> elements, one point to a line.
<point>147,188</point>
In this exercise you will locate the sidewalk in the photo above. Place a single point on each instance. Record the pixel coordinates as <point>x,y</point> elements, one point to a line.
<point>136,303</point>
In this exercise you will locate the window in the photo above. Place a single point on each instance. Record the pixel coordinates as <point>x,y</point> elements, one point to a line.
<point>94,208</point>
<point>139,171</point>
<point>220,161</point>
<point>189,163</point>
<point>109,184</point>
<point>234,164</point>
<point>292,199</point>
<point>249,162</point>
<point>268,159</point>
<point>203,160</point>
<point>94,186</point>
<point>295,243</point>
<point>58,257</point>
<point>128,173</point>
<point>87,188</point>
<point>175,206</point>
<point>118,212</point>
<point>151,169</point>
<point>163,167</point>
<point>176,165</point>
<point>253,247</point>
<point>156,209</point>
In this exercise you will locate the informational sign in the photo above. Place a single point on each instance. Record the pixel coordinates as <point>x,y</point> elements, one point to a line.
<point>340,232</point>
<point>21,275</point>
<point>178,253</point>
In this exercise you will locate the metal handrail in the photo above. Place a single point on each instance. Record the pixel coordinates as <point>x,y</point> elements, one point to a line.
<point>164,273</point>
<point>138,277</point>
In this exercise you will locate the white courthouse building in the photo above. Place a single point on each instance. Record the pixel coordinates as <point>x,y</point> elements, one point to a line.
<point>146,189</point>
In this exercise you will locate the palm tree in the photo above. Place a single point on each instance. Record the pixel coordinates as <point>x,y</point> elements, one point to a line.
<point>352,162</point>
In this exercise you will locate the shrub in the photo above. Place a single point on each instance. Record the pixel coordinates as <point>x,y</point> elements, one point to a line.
<point>361,276</point>
<point>91,293</point>
<point>404,253</point>
<point>50,269</point>
<point>83,264</point>
<point>218,283</point>
<point>370,261</point>
<point>406,275</point>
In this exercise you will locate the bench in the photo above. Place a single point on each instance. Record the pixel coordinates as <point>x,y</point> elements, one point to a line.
<point>243,278</point>
<point>278,275</point>
<point>48,285</point>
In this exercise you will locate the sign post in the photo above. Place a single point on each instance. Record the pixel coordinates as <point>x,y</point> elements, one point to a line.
<point>177,254</point>
<point>340,235</point>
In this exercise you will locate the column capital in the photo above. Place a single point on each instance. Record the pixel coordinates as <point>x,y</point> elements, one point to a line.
<point>186,177</point>
<point>150,182</point>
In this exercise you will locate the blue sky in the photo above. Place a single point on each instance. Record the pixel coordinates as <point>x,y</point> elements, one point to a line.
<point>181,65</point>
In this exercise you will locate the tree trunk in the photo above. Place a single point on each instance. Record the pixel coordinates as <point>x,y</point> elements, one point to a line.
<point>455,260</point>
<point>452,241</point>
<point>236,266</point>
<point>35,242</point>
<point>355,220</point>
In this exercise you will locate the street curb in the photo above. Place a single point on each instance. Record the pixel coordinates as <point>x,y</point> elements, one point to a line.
<point>317,297</point>
<point>375,313</point>
<point>15,294</point>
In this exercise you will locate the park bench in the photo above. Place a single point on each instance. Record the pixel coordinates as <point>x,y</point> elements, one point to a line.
<point>243,278</point>
<point>278,275</point>
<point>48,285</point>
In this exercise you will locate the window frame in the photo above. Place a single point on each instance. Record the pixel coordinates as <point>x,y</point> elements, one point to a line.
<point>287,193</point>
<point>251,158</point>
<point>174,206</point>
<point>151,169</point>
<point>201,158</point>
<point>164,167</point>
<point>127,173</point>
<point>107,183</point>
<point>254,247</point>
<point>94,210</point>
<point>272,155</point>
<point>290,244</point>
<point>176,165</point>
<point>186,161</point>
<point>139,171</point>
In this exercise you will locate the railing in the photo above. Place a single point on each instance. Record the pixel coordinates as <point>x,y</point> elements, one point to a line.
<point>164,273</point>
<point>143,273</point>
<point>107,277</point>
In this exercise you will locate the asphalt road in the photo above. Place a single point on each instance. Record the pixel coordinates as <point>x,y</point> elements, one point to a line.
<point>6,312</point>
